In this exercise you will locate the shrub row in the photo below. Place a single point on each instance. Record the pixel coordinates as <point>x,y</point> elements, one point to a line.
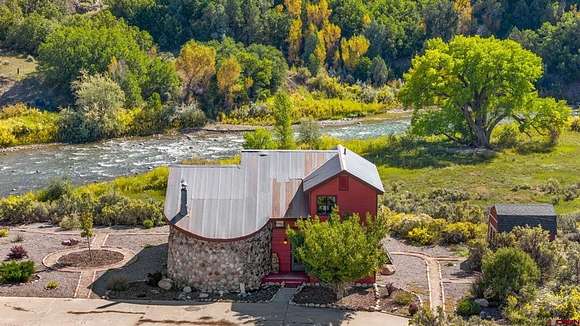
<point>425,230</point>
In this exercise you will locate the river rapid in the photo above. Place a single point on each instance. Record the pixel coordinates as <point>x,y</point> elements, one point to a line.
<point>29,169</point>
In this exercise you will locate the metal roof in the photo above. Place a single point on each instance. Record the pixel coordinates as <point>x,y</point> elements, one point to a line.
<point>228,202</point>
<point>346,161</point>
<point>525,210</point>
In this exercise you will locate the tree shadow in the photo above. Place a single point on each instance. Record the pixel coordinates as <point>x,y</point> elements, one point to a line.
<point>150,259</point>
<point>415,153</point>
<point>32,91</point>
<point>284,314</point>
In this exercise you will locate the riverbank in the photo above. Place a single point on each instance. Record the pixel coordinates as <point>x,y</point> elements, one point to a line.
<point>30,168</point>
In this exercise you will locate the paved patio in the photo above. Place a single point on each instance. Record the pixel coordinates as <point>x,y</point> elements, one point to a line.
<point>54,311</point>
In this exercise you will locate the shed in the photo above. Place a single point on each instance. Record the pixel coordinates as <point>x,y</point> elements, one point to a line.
<point>505,217</point>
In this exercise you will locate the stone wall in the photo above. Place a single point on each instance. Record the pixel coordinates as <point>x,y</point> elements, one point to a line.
<point>219,266</point>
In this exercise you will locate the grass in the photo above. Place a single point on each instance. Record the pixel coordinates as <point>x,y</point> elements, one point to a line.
<point>11,65</point>
<point>423,165</point>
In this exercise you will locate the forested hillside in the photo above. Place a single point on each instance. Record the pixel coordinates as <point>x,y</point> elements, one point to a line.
<point>173,63</point>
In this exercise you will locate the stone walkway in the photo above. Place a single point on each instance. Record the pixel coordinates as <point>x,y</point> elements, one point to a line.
<point>284,295</point>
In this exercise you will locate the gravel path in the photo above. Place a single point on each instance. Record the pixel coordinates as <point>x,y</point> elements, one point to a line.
<point>411,275</point>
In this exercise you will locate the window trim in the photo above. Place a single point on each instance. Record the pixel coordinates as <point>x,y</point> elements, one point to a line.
<point>318,212</point>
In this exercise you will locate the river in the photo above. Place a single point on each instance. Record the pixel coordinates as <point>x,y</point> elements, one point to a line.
<point>29,169</point>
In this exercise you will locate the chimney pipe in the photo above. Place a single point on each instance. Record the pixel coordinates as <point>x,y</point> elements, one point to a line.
<point>183,208</point>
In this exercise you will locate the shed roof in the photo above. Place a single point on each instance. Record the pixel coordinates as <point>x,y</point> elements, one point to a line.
<point>229,202</point>
<point>346,161</point>
<point>525,210</point>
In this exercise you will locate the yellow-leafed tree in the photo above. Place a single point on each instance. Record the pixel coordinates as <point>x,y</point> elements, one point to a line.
<point>196,66</point>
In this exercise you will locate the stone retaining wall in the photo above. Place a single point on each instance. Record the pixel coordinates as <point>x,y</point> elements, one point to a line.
<point>219,266</point>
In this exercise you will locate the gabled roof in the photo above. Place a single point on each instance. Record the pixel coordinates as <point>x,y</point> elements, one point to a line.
<point>525,210</point>
<point>231,202</point>
<point>346,161</point>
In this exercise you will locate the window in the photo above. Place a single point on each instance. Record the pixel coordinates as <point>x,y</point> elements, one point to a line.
<point>343,182</point>
<point>325,204</point>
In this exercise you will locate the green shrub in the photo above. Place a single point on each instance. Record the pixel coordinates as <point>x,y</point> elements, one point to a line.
<point>467,307</point>
<point>575,124</point>
<point>477,250</point>
<point>51,285</point>
<point>507,136</point>
<point>506,271</point>
<point>259,139</point>
<point>148,224</point>
<point>190,117</point>
<point>421,236</point>
<point>403,298</point>
<point>459,232</point>
<point>70,222</point>
<point>16,272</point>
<point>23,209</point>
<point>309,133</point>
<point>56,189</point>
<point>3,233</point>
<point>119,210</point>
<point>20,125</point>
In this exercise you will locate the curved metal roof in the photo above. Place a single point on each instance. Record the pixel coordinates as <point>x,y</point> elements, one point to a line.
<point>231,202</point>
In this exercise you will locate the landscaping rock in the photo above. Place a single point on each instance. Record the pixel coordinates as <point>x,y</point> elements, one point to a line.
<point>70,242</point>
<point>482,302</point>
<point>165,284</point>
<point>187,289</point>
<point>388,270</point>
<point>203,295</point>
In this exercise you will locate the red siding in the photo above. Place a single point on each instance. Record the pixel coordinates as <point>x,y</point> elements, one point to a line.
<point>360,197</point>
<point>283,250</point>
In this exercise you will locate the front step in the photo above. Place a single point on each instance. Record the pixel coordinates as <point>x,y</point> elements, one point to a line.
<point>291,280</point>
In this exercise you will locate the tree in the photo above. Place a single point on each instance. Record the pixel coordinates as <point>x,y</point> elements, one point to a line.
<point>196,66</point>
<point>227,77</point>
<point>282,110</point>
<point>341,250</point>
<point>294,40</point>
<point>99,102</point>
<point>260,138</point>
<point>309,133</point>
<point>379,71</point>
<point>441,19</point>
<point>507,271</point>
<point>89,43</point>
<point>352,50</point>
<point>463,89</point>
<point>87,230</point>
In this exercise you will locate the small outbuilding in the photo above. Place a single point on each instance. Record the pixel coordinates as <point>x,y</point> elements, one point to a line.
<point>505,217</point>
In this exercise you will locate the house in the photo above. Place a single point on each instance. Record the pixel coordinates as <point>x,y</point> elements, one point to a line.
<point>228,223</point>
<point>504,217</point>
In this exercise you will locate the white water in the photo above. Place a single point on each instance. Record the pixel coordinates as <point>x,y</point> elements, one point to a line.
<point>30,169</point>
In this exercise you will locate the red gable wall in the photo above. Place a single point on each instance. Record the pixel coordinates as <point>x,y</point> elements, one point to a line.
<point>360,197</point>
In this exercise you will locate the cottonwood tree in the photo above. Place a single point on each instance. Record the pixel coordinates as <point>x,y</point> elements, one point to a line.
<point>341,250</point>
<point>463,89</point>
<point>196,66</point>
<point>282,110</point>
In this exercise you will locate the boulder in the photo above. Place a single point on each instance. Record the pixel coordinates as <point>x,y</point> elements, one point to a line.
<point>70,242</point>
<point>482,302</point>
<point>165,284</point>
<point>388,269</point>
<point>187,289</point>
<point>203,295</point>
